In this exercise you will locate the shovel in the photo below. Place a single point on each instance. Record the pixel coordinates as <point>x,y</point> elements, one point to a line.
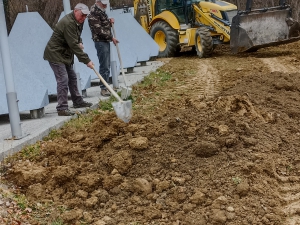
<point>126,91</point>
<point>123,109</point>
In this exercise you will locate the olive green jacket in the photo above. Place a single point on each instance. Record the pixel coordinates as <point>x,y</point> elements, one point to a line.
<point>64,42</point>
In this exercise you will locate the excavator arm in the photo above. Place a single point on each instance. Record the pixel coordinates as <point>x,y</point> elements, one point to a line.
<point>214,23</point>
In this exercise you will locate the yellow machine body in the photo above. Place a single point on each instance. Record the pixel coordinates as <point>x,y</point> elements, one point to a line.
<point>180,24</point>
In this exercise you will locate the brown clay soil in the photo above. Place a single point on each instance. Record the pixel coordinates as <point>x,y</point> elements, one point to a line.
<point>217,143</point>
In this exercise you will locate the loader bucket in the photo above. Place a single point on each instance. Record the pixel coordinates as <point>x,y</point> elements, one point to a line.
<point>259,29</point>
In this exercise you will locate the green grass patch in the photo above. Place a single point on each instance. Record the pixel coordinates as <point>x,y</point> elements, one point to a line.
<point>52,135</point>
<point>30,152</point>
<point>107,105</point>
<point>57,222</point>
<point>80,122</point>
<point>159,77</point>
<point>21,201</point>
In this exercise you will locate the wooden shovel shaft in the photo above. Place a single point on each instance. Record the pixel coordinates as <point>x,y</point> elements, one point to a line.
<point>119,55</point>
<point>107,85</point>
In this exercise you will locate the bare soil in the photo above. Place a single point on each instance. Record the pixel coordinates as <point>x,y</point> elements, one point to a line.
<point>218,143</point>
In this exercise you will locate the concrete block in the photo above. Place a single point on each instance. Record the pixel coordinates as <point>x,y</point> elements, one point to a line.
<point>37,113</point>
<point>143,63</point>
<point>130,70</point>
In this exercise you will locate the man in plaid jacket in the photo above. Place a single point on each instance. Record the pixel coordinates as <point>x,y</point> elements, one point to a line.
<point>100,26</point>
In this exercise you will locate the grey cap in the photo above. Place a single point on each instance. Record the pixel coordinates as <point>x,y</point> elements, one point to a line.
<point>84,9</point>
<point>105,2</point>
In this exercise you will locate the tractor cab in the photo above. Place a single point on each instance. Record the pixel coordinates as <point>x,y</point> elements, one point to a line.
<point>174,6</point>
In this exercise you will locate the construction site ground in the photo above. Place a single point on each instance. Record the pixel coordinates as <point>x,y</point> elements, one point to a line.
<point>211,141</point>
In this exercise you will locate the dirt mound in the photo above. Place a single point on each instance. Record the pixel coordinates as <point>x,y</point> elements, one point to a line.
<point>229,156</point>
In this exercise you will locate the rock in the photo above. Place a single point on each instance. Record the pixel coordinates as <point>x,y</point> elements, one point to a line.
<point>72,215</point>
<point>206,149</point>
<point>109,182</point>
<point>249,141</point>
<point>180,194</point>
<point>77,138</point>
<point>219,203</point>
<point>102,195</point>
<point>114,207</point>
<point>99,222</point>
<point>87,217</point>
<point>223,129</point>
<point>139,143</point>
<point>198,198</point>
<point>91,202</point>
<point>63,174</point>
<point>163,185</point>
<point>178,180</point>
<point>243,188</point>
<point>82,194</point>
<point>114,172</point>
<point>106,218</point>
<point>152,213</point>
<point>122,162</point>
<point>230,215</point>
<point>222,199</point>
<point>230,209</point>
<point>230,142</point>
<point>191,131</point>
<point>141,185</point>
<point>218,216</point>
<point>188,207</point>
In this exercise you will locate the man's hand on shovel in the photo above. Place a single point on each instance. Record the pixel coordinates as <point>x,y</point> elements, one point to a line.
<point>90,65</point>
<point>115,41</point>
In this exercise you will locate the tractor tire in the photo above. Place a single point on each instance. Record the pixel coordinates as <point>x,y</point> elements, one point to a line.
<point>203,42</point>
<point>166,37</point>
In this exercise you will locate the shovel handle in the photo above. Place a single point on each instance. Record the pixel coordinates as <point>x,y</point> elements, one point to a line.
<point>107,85</point>
<point>119,55</point>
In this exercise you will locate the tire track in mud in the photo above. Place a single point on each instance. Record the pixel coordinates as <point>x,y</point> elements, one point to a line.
<point>206,81</point>
<point>289,191</point>
<point>290,194</point>
<point>278,65</point>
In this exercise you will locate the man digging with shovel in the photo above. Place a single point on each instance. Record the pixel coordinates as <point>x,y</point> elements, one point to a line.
<point>100,26</point>
<point>63,44</point>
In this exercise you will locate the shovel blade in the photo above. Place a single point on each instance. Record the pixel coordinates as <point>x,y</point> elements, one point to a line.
<point>123,110</point>
<point>256,30</point>
<point>125,92</point>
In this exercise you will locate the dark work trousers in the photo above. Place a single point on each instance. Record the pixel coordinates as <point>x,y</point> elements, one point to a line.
<point>103,53</point>
<point>66,79</point>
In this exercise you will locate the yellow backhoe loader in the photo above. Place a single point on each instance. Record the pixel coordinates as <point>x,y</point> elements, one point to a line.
<point>178,25</point>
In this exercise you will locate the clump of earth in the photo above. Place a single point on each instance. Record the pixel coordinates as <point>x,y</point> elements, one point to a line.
<point>217,144</point>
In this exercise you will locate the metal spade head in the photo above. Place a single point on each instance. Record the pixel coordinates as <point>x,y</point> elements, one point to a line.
<point>123,110</point>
